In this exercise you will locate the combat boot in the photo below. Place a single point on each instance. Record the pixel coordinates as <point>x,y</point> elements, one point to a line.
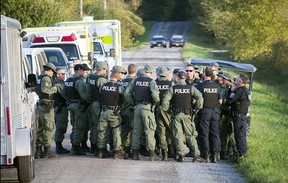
<point>39,152</point>
<point>60,149</point>
<point>144,152</point>
<point>85,147</point>
<point>164,155</point>
<point>180,158</point>
<point>77,151</point>
<point>171,153</point>
<point>152,155</point>
<point>118,155</point>
<point>135,154</point>
<point>205,156</point>
<point>127,152</point>
<point>102,153</point>
<point>189,154</point>
<point>48,153</point>
<point>223,155</point>
<point>93,148</point>
<point>213,157</point>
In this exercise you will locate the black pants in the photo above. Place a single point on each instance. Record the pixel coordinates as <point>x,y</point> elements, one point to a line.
<point>209,129</point>
<point>240,124</point>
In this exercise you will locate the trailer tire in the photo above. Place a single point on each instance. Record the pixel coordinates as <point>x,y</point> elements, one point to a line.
<point>26,166</point>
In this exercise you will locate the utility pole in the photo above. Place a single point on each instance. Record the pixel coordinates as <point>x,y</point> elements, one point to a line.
<point>105,6</point>
<point>81,8</point>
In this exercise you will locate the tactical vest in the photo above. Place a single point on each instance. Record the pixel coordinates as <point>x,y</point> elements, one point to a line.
<point>72,93</point>
<point>163,86</point>
<point>38,89</point>
<point>125,82</point>
<point>142,89</point>
<point>110,94</point>
<point>210,92</point>
<point>182,98</point>
<point>242,104</point>
<point>94,88</point>
<point>58,98</point>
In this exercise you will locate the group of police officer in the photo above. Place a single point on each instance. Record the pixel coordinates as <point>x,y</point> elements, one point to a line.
<point>139,115</point>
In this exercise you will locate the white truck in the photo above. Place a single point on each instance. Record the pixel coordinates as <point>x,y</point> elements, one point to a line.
<point>76,41</point>
<point>109,31</point>
<point>18,109</point>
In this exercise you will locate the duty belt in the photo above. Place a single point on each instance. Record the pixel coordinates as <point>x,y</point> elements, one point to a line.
<point>74,101</point>
<point>143,102</point>
<point>105,107</point>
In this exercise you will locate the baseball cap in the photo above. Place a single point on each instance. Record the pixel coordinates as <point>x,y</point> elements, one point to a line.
<point>215,64</point>
<point>175,71</point>
<point>85,67</point>
<point>182,75</point>
<point>140,72</point>
<point>51,66</point>
<point>78,67</point>
<point>118,68</point>
<point>162,71</point>
<point>148,68</point>
<point>100,66</point>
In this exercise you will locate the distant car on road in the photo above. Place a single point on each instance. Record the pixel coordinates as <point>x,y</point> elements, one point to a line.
<point>158,41</point>
<point>177,40</point>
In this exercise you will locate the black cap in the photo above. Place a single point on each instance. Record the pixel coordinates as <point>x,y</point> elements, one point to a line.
<point>78,67</point>
<point>176,71</point>
<point>182,75</point>
<point>85,67</point>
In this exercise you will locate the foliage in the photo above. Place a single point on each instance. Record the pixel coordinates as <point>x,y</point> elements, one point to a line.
<point>131,24</point>
<point>248,28</point>
<point>38,13</point>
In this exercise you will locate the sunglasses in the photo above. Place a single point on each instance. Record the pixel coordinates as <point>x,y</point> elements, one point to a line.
<point>189,70</point>
<point>62,73</point>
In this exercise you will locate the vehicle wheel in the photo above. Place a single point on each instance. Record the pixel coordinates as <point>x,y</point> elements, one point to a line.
<point>151,46</point>
<point>26,166</point>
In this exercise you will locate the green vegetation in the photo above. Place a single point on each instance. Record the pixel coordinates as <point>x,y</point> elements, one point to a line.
<point>266,160</point>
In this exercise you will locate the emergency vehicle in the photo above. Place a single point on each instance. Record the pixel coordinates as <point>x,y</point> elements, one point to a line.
<point>75,41</point>
<point>18,103</point>
<point>109,31</point>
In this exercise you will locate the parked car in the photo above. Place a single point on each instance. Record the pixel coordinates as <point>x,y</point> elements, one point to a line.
<point>36,58</point>
<point>158,41</point>
<point>177,40</point>
<point>58,58</point>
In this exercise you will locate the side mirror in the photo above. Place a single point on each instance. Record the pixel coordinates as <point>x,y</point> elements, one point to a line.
<point>32,80</point>
<point>112,52</point>
<point>90,56</point>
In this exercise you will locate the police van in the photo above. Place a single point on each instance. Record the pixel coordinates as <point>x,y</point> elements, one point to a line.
<point>75,41</point>
<point>18,106</point>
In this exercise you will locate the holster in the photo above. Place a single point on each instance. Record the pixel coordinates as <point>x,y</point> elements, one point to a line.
<point>117,110</point>
<point>46,103</point>
<point>83,105</point>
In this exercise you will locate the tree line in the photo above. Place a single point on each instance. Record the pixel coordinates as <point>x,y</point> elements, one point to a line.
<point>251,30</point>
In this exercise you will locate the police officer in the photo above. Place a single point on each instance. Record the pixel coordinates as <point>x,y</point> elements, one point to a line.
<point>61,111</point>
<point>88,111</point>
<point>181,96</point>
<point>127,112</point>
<point>145,93</point>
<point>226,120</point>
<point>240,102</point>
<point>190,74</point>
<point>197,75</point>
<point>110,115</point>
<point>96,81</point>
<point>46,90</point>
<point>163,118</point>
<point>175,75</point>
<point>209,117</point>
<point>77,94</point>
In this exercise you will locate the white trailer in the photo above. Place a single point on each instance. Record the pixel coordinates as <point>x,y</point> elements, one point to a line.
<point>109,31</point>
<point>18,112</point>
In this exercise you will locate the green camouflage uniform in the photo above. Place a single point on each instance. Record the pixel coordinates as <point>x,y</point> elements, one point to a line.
<point>46,114</point>
<point>182,125</point>
<point>144,118</point>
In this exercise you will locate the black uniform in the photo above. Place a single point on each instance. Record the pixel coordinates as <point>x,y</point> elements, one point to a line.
<point>209,117</point>
<point>239,105</point>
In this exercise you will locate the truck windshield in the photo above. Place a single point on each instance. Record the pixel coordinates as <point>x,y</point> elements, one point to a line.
<point>97,48</point>
<point>70,50</point>
<point>55,57</point>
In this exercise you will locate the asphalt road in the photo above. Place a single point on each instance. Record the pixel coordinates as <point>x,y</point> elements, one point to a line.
<point>76,169</point>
